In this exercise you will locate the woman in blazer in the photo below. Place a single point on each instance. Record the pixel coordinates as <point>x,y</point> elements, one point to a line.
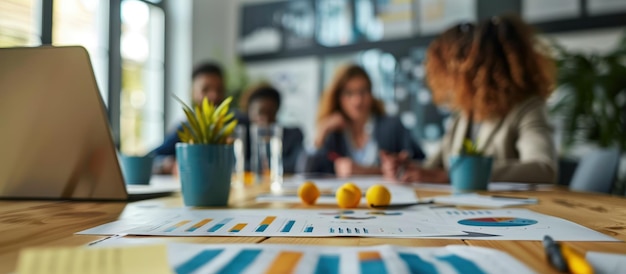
<point>353,129</point>
<point>496,77</point>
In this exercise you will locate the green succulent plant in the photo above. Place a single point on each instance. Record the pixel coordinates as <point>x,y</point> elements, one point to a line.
<point>470,148</point>
<point>208,124</point>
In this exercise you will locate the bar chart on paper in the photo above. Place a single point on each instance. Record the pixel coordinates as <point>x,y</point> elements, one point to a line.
<point>313,223</point>
<point>196,258</point>
<point>501,224</point>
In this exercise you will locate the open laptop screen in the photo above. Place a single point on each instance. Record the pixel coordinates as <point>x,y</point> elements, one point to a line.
<point>56,142</point>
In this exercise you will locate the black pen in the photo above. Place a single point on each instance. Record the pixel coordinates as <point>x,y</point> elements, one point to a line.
<point>553,254</point>
<point>391,206</point>
<point>524,199</point>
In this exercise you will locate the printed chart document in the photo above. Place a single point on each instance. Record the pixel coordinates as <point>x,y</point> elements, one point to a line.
<point>250,258</point>
<point>501,224</point>
<point>110,260</point>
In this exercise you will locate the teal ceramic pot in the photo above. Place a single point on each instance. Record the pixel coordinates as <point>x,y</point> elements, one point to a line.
<point>137,170</point>
<point>205,172</point>
<point>469,173</point>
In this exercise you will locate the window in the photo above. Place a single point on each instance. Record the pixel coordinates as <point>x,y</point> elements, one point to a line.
<point>85,23</point>
<point>142,105</point>
<point>20,23</point>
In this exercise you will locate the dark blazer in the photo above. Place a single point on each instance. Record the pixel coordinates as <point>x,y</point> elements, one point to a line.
<point>389,133</point>
<point>292,146</point>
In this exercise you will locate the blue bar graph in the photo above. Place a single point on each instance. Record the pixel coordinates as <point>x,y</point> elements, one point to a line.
<point>240,262</point>
<point>288,226</point>
<point>197,261</point>
<point>461,264</point>
<point>332,230</point>
<point>219,225</point>
<point>308,229</point>
<point>365,231</point>
<point>328,264</point>
<point>265,223</point>
<point>416,264</point>
<point>371,263</point>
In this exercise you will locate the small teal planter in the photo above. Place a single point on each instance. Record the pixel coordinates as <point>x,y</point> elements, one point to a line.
<point>469,173</point>
<point>137,170</point>
<point>205,172</point>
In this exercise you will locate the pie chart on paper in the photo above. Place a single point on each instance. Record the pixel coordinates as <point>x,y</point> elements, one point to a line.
<point>497,221</point>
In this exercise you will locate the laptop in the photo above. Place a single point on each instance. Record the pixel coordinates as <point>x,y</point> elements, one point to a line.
<point>55,141</point>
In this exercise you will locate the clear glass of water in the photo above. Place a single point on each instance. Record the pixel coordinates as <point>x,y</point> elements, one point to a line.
<point>239,146</point>
<point>266,159</point>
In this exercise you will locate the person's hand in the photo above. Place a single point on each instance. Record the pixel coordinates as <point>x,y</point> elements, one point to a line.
<point>393,165</point>
<point>332,123</point>
<point>419,174</point>
<point>344,167</point>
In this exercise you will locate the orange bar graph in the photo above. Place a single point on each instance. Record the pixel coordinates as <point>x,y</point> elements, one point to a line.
<point>199,225</point>
<point>238,227</point>
<point>174,227</point>
<point>268,220</point>
<point>369,256</point>
<point>285,262</point>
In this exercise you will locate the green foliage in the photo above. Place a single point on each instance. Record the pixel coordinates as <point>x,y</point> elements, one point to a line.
<point>592,97</point>
<point>470,148</point>
<point>207,124</point>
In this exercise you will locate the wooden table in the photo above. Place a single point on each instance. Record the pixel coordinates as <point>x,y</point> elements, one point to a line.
<point>53,223</point>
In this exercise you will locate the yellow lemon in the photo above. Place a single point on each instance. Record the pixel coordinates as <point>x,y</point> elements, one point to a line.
<point>308,193</point>
<point>348,196</point>
<point>378,195</point>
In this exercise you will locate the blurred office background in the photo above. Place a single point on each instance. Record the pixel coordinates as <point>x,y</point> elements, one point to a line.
<point>144,50</point>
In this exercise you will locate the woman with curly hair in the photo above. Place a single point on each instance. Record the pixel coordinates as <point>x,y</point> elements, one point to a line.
<point>353,129</point>
<point>496,76</point>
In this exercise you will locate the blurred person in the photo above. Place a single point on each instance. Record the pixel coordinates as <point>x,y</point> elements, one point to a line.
<point>352,128</point>
<point>261,103</point>
<point>207,81</point>
<point>496,76</point>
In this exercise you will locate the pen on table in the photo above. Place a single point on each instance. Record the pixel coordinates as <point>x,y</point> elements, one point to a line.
<point>391,206</point>
<point>564,258</point>
<point>523,199</point>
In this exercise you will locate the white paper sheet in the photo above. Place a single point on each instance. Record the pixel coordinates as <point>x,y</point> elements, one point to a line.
<point>472,199</point>
<point>607,263</point>
<point>158,183</point>
<point>422,222</point>
<point>267,258</point>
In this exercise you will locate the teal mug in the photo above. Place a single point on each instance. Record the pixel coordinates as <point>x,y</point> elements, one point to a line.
<point>137,170</point>
<point>469,173</point>
<point>205,172</point>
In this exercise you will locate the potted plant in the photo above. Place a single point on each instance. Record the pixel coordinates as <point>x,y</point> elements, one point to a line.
<point>470,170</point>
<point>591,98</point>
<point>205,154</point>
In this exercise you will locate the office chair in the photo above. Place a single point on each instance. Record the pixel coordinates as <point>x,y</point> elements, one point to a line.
<point>596,171</point>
